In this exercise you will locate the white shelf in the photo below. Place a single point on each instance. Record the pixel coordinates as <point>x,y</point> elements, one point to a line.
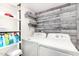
<point>10,45</point>
<point>8,31</point>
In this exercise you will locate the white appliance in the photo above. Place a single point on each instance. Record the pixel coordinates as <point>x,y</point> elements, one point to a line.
<point>29,47</point>
<point>56,44</point>
<point>38,36</point>
<point>62,41</point>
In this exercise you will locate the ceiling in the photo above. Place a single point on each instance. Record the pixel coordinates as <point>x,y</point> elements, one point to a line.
<point>37,7</point>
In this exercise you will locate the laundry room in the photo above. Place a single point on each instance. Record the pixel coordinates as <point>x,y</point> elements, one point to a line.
<point>39,29</point>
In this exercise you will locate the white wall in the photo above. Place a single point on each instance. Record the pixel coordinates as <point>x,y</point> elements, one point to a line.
<point>37,7</point>
<point>26,30</point>
<point>7,23</point>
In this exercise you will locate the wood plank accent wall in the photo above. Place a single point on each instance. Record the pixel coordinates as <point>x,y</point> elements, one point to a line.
<point>62,20</point>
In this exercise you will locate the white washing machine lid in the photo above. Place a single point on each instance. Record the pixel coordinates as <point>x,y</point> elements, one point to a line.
<point>61,41</point>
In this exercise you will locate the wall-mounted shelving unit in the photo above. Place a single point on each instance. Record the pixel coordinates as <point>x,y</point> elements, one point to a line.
<point>10,45</point>
<point>9,25</point>
<point>9,38</point>
<point>9,31</point>
<point>32,25</point>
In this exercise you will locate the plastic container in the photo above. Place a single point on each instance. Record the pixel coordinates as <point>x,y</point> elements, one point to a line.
<point>10,39</point>
<point>1,41</point>
<point>6,35</point>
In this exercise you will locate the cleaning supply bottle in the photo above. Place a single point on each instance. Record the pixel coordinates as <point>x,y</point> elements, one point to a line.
<point>13,37</point>
<point>16,36</point>
<point>6,35</point>
<point>1,41</point>
<point>10,39</point>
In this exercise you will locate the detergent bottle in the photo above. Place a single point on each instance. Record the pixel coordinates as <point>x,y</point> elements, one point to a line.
<point>1,41</point>
<point>16,36</point>
<point>6,35</point>
<point>13,37</point>
<point>10,39</point>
